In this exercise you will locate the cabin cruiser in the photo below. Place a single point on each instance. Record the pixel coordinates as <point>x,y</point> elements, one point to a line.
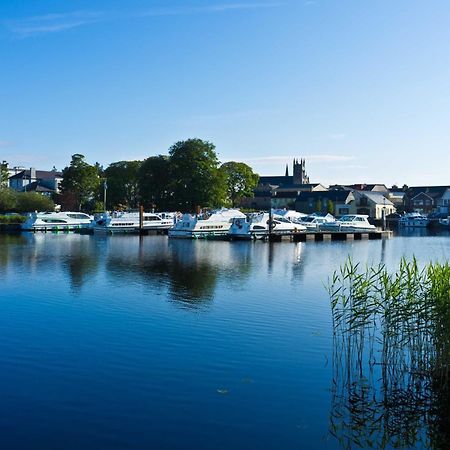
<point>315,221</point>
<point>128,222</point>
<point>56,221</point>
<point>256,226</point>
<point>289,214</point>
<point>445,222</point>
<point>217,223</point>
<point>357,223</point>
<point>413,219</point>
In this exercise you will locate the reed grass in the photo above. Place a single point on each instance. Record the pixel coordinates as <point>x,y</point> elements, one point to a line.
<point>391,353</point>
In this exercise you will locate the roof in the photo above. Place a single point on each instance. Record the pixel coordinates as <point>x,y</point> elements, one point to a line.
<point>276,180</point>
<point>336,195</point>
<point>431,191</point>
<point>41,174</point>
<point>37,187</point>
<point>377,197</point>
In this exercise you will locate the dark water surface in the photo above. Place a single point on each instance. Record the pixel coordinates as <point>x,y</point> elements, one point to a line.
<point>126,342</point>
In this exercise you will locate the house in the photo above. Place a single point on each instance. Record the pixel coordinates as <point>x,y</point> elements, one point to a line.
<point>373,203</point>
<point>427,199</point>
<point>42,181</point>
<point>336,201</point>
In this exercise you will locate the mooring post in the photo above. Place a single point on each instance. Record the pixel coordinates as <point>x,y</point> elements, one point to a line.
<point>141,219</point>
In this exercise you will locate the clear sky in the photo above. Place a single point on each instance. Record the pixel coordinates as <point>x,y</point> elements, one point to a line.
<point>361,89</point>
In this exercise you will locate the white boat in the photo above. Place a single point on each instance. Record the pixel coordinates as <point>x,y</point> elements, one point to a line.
<point>445,222</point>
<point>57,221</point>
<point>315,221</point>
<point>289,214</point>
<point>413,219</point>
<point>357,223</point>
<point>205,226</point>
<point>128,222</point>
<point>256,226</point>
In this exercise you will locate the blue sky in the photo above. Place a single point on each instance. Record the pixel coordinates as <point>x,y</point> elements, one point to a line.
<point>360,89</point>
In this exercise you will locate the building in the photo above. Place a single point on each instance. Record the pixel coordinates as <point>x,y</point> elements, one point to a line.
<point>42,181</point>
<point>336,201</point>
<point>344,200</point>
<point>428,199</point>
<point>281,191</point>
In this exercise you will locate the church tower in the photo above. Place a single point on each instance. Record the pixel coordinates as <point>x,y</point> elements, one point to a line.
<point>300,175</point>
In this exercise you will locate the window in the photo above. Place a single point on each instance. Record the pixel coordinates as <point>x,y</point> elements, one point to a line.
<point>343,211</point>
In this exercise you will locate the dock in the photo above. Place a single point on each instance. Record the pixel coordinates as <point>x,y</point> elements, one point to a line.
<point>319,236</point>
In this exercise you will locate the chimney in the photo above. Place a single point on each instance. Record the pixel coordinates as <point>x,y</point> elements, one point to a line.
<point>32,174</point>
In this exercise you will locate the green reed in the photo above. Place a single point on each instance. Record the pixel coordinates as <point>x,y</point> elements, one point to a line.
<point>391,353</point>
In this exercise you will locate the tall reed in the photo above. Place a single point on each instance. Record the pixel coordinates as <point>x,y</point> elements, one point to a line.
<point>391,354</point>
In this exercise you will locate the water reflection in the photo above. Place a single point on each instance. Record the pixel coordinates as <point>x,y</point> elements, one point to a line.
<point>187,271</point>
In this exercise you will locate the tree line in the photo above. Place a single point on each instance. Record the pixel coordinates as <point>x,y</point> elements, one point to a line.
<point>190,176</point>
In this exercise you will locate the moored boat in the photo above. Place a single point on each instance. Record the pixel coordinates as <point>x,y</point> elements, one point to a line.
<point>256,226</point>
<point>313,222</point>
<point>353,223</point>
<point>57,221</point>
<point>413,219</point>
<point>129,222</point>
<point>205,226</point>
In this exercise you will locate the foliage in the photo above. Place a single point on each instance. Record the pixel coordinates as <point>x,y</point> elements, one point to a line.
<point>4,175</point>
<point>82,180</point>
<point>154,180</point>
<point>11,200</point>
<point>330,207</point>
<point>12,219</point>
<point>391,385</point>
<point>8,200</point>
<point>122,184</point>
<point>197,180</point>
<point>32,201</point>
<point>240,179</point>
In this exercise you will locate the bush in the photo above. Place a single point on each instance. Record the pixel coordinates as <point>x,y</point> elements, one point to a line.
<point>11,200</point>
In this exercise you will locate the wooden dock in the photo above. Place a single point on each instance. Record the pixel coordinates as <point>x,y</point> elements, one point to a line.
<point>320,236</point>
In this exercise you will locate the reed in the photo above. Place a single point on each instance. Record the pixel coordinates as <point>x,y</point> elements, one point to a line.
<point>391,353</point>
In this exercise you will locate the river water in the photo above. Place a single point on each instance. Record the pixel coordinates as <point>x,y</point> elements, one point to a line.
<point>125,342</point>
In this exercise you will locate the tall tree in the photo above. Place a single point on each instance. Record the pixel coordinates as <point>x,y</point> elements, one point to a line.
<point>197,180</point>
<point>82,180</point>
<point>240,179</point>
<point>122,181</point>
<point>155,182</point>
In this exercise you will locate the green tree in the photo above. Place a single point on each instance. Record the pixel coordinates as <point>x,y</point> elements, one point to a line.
<point>330,207</point>
<point>195,174</point>
<point>32,201</point>
<point>240,179</point>
<point>123,184</point>
<point>82,180</point>
<point>155,182</point>
<point>8,200</point>
<point>4,175</point>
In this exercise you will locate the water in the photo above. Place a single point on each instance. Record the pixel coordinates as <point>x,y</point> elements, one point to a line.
<point>126,342</point>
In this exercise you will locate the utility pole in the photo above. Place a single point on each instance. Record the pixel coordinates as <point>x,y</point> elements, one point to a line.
<point>105,187</point>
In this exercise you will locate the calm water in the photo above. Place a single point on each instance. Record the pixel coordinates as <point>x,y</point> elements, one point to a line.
<point>127,342</point>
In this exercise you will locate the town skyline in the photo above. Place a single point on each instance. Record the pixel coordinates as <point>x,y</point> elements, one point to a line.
<point>265,81</point>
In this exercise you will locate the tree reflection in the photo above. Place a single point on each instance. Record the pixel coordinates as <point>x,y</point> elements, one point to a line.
<point>188,270</point>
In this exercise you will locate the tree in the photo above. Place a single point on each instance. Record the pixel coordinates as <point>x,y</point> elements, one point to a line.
<point>195,174</point>
<point>82,180</point>
<point>122,181</point>
<point>155,182</point>
<point>330,207</point>
<point>4,175</point>
<point>8,200</point>
<point>240,179</point>
<point>32,201</point>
